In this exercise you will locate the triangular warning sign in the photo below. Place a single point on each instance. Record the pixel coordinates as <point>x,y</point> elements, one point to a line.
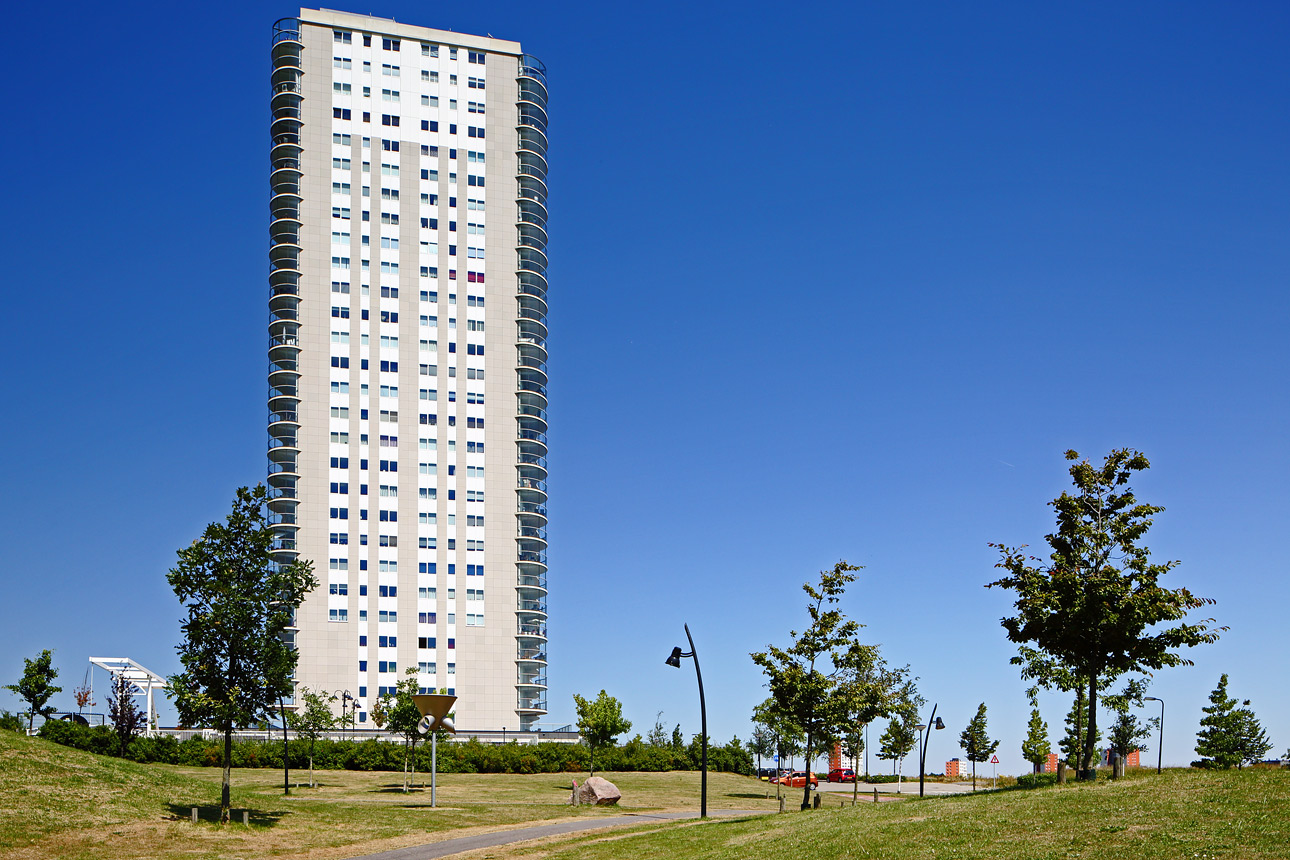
<point>994,760</point>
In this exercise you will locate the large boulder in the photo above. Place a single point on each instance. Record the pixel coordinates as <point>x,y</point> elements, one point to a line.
<point>600,792</point>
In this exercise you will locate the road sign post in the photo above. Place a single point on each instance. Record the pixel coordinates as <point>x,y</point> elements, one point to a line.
<point>995,762</point>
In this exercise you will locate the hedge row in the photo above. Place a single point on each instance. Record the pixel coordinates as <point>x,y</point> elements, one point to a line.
<point>454,757</point>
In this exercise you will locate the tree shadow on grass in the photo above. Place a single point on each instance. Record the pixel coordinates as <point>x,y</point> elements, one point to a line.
<point>754,794</point>
<point>210,814</point>
<point>398,789</point>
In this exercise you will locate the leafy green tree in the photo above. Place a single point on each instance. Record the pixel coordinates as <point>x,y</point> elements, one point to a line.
<point>126,715</point>
<point>678,739</point>
<point>976,743</point>
<point>405,719</point>
<point>381,710</point>
<point>803,677</point>
<point>1096,610</point>
<point>37,686</point>
<point>600,721</point>
<point>788,737</point>
<point>896,742</point>
<point>1230,735</point>
<point>239,602</point>
<point>314,719</point>
<point>1036,748</point>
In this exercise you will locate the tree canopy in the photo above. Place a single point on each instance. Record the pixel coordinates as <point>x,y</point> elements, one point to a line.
<point>1230,735</point>
<point>1036,747</point>
<point>37,686</point>
<point>600,721</point>
<point>1096,609</point>
<point>239,603</point>
<point>976,743</point>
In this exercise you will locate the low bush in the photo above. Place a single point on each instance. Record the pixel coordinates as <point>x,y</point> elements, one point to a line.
<point>1036,780</point>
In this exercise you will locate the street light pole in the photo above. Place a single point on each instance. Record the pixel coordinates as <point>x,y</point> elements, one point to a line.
<point>675,662</point>
<point>1160,747</point>
<point>933,722</point>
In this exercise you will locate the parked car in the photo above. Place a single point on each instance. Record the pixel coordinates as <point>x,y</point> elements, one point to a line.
<point>797,779</point>
<point>842,774</point>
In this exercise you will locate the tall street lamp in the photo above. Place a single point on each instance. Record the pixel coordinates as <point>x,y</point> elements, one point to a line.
<point>1160,748</point>
<point>933,722</point>
<point>675,661</point>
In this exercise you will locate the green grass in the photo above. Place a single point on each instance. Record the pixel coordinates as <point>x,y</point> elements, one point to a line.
<point>60,802</point>
<point>1180,815</point>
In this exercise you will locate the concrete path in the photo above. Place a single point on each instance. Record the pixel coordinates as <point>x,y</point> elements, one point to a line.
<point>522,834</point>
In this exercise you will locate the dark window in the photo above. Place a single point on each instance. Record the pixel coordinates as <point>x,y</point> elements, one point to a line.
<point>340,113</point>
<point>387,119</point>
<point>390,44</point>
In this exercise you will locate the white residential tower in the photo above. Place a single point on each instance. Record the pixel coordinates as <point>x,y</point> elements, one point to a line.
<point>407,359</point>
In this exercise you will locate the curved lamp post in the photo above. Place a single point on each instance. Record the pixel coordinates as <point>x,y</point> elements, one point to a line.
<point>434,708</point>
<point>675,661</point>
<point>1160,747</point>
<point>933,722</point>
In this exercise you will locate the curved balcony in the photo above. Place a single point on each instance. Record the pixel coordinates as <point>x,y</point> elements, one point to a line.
<point>531,307</point>
<point>287,148</point>
<point>291,314</point>
<point>531,655</point>
<point>531,514</point>
<point>281,327</point>
<point>285,231</point>
<point>284,208</point>
<point>532,139</point>
<point>533,706</point>
<point>534,606</point>
<point>285,256</point>
<point>533,362</point>
<point>285,457</point>
<point>287,46</point>
<point>531,187</point>
<point>531,114</point>
<point>284,422</point>
<point>282,482</point>
<point>533,236</point>
<point>532,91</point>
<point>285,121</point>
<point>288,389</point>
<point>529,351</point>
<point>531,630</point>
<point>532,325</point>
<point>534,215</point>
<point>536,681</point>
<point>285,182</point>
<point>532,442</point>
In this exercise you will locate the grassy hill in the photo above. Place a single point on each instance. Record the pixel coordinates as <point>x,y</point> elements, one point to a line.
<point>1179,815</point>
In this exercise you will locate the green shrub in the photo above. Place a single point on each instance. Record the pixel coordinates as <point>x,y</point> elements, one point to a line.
<point>12,722</point>
<point>1036,780</point>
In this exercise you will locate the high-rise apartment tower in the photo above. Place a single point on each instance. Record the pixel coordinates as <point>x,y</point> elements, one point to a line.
<point>407,359</point>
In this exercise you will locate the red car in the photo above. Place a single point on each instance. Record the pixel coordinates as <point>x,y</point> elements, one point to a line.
<point>844,774</point>
<point>797,779</point>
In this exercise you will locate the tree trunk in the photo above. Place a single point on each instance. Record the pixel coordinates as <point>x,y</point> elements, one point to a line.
<point>405,767</point>
<point>591,754</point>
<point>228,773</point>
<point>1090,739</point>
<point>286,750</point>
<point>414,763</point>
<point>806,786</point>
<point>974,774</point>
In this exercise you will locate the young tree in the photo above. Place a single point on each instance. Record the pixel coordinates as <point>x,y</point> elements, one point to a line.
<point>897,741</point>
<point>405,719</point>
<point>1073,744</point>
<point>124,712</point>
<point>1036,748</point>
<point>37,686</point>
<point>976,743</point>
<point>1096,610</point>
<point>678,739</point>
<point>381,707</point>
<point>1230,735</point>
<point>601,720</point>
<point>658,734</point>
<point>803,677</point>
<point>84,697</point>
<point>762,743</point>
<point>313,720</point>
<point>239,602</point>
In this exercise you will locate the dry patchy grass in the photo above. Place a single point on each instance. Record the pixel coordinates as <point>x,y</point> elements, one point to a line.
<point>58,802</point>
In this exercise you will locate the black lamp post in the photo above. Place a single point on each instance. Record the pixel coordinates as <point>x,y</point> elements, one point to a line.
<point>675,661</point>
<point>933,722</point>
<point>1160,748</point>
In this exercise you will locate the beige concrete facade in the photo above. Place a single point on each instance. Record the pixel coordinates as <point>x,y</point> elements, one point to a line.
<point>421,293</point>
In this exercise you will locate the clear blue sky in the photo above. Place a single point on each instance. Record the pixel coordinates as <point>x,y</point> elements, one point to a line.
<point>829,281</point>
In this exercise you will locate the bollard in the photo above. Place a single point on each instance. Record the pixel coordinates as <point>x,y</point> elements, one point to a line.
<point>1061,773</point>
<point>815,804</point>
<point>875,794</point>
<point>194,815</point>
<point>246,817</point>
<point>781,804</point>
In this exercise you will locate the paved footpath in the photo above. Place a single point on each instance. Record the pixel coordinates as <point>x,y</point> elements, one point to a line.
<point>523,834</point>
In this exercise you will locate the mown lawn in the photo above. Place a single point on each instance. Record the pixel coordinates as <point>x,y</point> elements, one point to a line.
<point>1179,815</point>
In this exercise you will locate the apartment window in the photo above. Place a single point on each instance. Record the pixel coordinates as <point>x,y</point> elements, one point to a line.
<point>389,217</point>
<point>389,71</point>
<point>340,113</point>
<point>390,44</point>
<point>472,520</point>
<point>389,194</point>
<point>390,96</point>
<point>389,242</point>
<point>388,119</point>
<point>475,107</point>
<point>390,145</point>
<point>337,614</point>
<point>477,181</point>
<point>341,212</point>
<point>341,37</point>
<point>341,287</point>
<point>338,87</point>
<point>339,538</point>
<point>341,63</point>
<point>472,203</point>
<point>342,139</point>
<point>389,170</point>
<point>431,77</point>
<point>475,83</point>
<point>475,472</point>
<point>476,448</point>
<point>342,313</point>
<point>338,564</point>
<point>475,157</point>
<point>339,513</point>
<point>429,125</point>
<point>340,462</point>
<point>429,50</point>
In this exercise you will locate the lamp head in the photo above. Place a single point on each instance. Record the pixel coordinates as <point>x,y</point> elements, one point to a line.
<point>940,724</point>
<point>1151,699</point>
<point>920,727</point>
<point>675,660</point>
